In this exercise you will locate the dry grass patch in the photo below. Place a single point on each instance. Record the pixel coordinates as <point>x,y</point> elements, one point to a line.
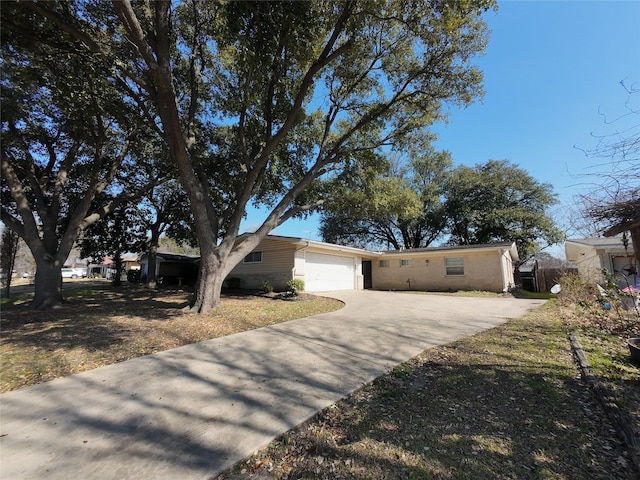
<point>99,327</point>
<point>603,334</point>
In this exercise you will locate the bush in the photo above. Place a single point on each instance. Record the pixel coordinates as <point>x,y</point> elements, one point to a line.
<point>584,303</point>
<point>133,276</point>
<point>576,289</point>
<point>266,287</point>
<point>234,283</point>
<point>295,286</point>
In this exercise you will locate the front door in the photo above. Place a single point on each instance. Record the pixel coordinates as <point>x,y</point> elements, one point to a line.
<point>366,273</point>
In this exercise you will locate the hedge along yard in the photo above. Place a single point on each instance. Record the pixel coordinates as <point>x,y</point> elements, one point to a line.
<point>507,403</point>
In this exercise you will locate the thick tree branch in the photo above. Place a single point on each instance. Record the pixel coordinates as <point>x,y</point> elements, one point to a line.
<point>326,57</point>
<point>128,17</point>
<point>29,227</point>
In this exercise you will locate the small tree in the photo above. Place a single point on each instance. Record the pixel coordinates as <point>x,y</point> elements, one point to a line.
<point>163,209</point>
<point>121,232</point>
<point>614,204</point>
<point>8,252</point>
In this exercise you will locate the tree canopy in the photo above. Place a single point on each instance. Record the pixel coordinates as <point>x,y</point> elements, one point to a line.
<point>498,201</point>
<point>426,200</point>
<point>397,207</point>
<point>258,101</point>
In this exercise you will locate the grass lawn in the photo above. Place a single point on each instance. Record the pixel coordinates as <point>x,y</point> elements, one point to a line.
<point>103,325</point>
<point>507,403</point>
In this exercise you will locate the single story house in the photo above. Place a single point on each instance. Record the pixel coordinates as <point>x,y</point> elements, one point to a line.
<point>325,266</point>
<point>592,255</point>
<point>130,262</point>
<point>107,269</point>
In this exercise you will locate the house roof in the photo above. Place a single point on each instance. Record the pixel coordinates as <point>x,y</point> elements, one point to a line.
<point>510,246</point>
<point>173,257</point>
<point>303,242</point>
<point>576,246</point>
<point>599,242</point>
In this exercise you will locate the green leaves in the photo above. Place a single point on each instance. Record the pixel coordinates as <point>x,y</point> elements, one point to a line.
<point>498,201</point>
<point>389,204</point>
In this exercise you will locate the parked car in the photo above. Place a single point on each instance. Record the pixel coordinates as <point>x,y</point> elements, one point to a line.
<point>74,272</point>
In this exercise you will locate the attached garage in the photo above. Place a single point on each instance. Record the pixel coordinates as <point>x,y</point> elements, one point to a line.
<point>321,266</point>
<point>325,272</point>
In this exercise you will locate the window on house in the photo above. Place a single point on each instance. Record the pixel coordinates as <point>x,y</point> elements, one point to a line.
<point>383,263</point>
<point>253,257</point>
<point>454,265</point>
<point>405,263</point>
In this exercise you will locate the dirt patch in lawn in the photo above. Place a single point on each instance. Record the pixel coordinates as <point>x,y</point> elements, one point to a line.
<point>99,327</point>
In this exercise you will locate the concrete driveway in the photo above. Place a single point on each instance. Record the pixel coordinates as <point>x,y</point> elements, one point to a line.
<point>191,412</point>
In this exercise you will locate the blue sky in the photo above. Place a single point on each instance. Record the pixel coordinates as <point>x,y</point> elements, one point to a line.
<point>552,73</point>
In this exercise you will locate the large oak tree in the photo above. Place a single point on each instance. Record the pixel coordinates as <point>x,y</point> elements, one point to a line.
<point>273,96</point>
<point>65,136</point>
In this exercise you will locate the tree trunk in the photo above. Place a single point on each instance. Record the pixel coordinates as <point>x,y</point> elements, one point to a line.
<point>152,259</point>
<point>635,240</point>
<point>117,281</point>
<point>48,285</point>
<point>9,251</point>
<point>209,285</point>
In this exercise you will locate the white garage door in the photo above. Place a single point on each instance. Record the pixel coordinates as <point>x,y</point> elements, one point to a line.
<point>328,272</point>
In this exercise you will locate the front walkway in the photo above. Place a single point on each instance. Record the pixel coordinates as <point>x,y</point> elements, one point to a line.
<point>191,412</point>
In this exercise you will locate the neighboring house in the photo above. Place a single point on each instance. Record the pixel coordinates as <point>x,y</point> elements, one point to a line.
<point>107,269</point>
<point>592,255</point>
<point>130,262</point>
<point>103,270</point>
<point>172,269</point>
<point>325,266</point>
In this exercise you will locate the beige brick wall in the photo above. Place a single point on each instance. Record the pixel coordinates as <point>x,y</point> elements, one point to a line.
<point>481,272</point>
<point>276,266</point>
